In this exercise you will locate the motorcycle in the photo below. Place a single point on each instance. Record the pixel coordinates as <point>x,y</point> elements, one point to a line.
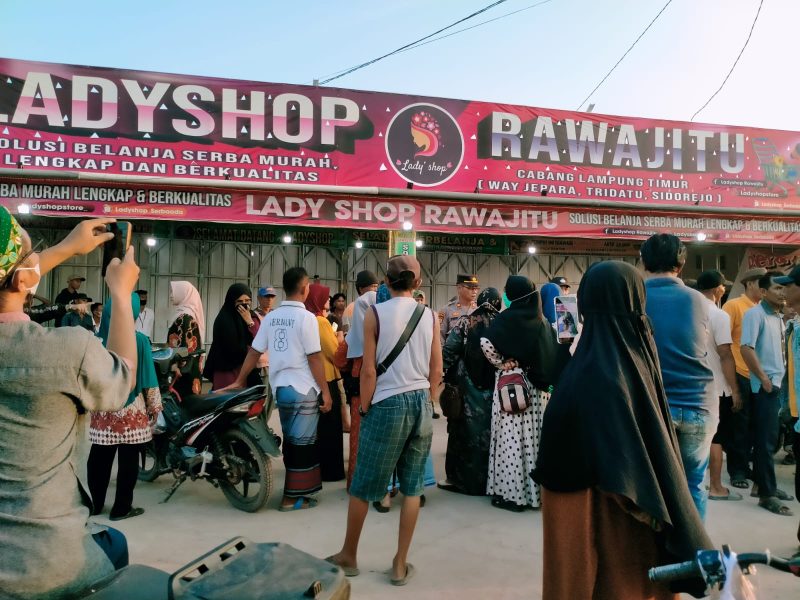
<point>217,437</point>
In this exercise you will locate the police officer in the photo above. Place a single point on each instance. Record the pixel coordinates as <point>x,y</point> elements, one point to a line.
<point>464,303</point>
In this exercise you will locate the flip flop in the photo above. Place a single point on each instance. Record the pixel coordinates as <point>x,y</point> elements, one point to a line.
<point>774,505</point>
<point>410,570</point>
<point>348,571</point>
<point>134,512</point>
<point>299,504</point>
<point>779,494</point>
<point>380,507</point>
<point>742,484</point>
<point>731,496</point>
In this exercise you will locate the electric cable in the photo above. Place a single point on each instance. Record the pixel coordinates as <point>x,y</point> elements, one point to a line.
<point>641,35</point>
<point>747,41</point>
<point>406,46</point>
<point>441,37</point>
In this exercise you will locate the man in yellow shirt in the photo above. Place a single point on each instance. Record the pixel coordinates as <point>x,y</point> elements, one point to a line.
<point>739,454</point>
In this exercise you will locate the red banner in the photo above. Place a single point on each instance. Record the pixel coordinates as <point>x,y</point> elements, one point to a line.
<point>380,213</point>
<point>115,121</point>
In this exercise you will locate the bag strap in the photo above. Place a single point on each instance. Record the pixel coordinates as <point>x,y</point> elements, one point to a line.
<point>401,343</point>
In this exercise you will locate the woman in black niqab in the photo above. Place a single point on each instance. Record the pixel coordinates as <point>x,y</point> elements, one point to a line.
<point>519,333</point>
<point>608,458</point>
<point>234,329</point>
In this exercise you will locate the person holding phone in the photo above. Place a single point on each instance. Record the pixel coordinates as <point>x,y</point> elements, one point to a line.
<point>43,501</point>
<point>235,328</point>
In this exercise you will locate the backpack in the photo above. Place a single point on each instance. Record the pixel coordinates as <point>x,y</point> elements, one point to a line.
<point>513,391</point>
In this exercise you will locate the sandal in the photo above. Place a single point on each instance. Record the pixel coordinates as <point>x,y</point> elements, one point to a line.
<point>134,512</point>
<point>380,507</point>
<point>774,505</point>
<point>742,484</point>
<point>779,494</point>
<point>348,571</point>
<point>507,505</point>
<point>410,571</point>
<point>299,504</point>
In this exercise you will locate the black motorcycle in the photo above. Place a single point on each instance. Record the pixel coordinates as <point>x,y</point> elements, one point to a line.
<point>217,437</point>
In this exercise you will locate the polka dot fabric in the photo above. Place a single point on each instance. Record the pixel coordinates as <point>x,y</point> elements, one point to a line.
<point>514,444</point>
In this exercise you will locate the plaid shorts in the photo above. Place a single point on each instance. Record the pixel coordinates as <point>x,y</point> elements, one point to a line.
<point>396,433</point>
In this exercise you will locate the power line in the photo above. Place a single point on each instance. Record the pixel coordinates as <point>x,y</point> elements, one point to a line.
<point>641,35</point>
<point>441,37</point>
<point>747,41</point>
<point>374,60</point>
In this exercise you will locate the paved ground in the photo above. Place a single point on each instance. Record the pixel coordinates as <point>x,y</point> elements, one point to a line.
<point>463,547</point>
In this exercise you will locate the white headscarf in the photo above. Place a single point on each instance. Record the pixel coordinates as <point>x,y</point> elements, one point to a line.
<point>186,301</point>
<point>355,338</point>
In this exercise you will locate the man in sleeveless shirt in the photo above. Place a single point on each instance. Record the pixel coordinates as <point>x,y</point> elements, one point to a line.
<point>396,412</point>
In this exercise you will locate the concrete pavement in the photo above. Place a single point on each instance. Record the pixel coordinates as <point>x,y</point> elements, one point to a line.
<point>463,547</point>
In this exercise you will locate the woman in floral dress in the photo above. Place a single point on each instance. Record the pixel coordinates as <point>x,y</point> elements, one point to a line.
<point>188,330</point>
<point>123,433</point>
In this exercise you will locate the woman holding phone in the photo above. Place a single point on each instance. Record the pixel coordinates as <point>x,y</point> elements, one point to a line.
<point>235,328</point>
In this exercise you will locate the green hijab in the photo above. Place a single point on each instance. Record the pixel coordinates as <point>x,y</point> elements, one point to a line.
<point>145,372</point>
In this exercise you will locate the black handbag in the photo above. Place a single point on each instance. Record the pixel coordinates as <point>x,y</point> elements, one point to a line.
<point>451,401</point>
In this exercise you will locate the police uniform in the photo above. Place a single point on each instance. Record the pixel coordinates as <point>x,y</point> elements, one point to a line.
<point>454,310</point>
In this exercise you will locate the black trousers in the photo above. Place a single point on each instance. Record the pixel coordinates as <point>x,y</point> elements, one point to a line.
<point>101,460</point>
<point>765,441</point>
<point>740,438</point>
<point>330,439</point>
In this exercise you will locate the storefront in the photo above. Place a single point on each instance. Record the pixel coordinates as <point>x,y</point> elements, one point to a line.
<point>230,181</point>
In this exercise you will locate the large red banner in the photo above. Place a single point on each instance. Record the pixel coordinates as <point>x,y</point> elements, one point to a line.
<point>382,213</point>
<point>131,122</point>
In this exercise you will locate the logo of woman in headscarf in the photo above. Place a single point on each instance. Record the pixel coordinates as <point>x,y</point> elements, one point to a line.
<point>424,144</point>
<point>425,132</point>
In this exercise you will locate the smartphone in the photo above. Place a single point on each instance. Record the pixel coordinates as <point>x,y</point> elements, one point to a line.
<point>566,318</point>
<point>118,245</point>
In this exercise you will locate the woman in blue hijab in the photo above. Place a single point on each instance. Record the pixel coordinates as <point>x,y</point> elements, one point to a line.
<point>124,431</point>
<point>549,292</point>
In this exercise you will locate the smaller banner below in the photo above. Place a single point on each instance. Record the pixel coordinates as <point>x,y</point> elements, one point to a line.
<point>771,259</point>
<point>384,213</point>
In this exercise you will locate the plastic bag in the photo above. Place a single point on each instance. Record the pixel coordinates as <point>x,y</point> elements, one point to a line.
<point>737,586</point>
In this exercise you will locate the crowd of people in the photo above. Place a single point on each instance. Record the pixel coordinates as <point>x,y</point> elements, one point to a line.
<point>609,430</point>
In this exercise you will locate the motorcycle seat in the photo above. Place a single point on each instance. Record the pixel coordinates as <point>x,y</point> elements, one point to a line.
<point>134,582</point>
<point>201,404</point>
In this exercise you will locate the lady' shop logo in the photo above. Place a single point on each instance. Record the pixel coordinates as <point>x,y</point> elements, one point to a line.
<point>424,144</point>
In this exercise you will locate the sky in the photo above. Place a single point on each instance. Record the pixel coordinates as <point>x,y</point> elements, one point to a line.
<point>548,56</point>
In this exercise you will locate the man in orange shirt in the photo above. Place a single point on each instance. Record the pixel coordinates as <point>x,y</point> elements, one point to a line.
<point>739,453</point>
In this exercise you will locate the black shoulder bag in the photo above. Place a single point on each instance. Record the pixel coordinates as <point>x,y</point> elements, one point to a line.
<point>401,343</point>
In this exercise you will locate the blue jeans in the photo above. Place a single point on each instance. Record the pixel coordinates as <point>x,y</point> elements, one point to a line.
<point>695,429</point>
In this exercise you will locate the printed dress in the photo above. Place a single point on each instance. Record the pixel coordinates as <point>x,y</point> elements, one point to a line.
<point>130,425</point>
<point>514,443</point>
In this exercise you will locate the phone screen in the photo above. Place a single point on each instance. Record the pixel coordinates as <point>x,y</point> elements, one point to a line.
<point>118,245</point>
<point>566,318</point>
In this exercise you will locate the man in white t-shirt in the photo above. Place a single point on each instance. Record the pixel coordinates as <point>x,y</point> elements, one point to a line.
<point>146,320</point>
<point>297,376</point>
<point>720,357</point>
<point>396,412</point>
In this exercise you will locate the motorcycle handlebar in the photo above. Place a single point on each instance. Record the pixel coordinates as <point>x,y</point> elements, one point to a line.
<point>691,568</point>
<point>667,573</point>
